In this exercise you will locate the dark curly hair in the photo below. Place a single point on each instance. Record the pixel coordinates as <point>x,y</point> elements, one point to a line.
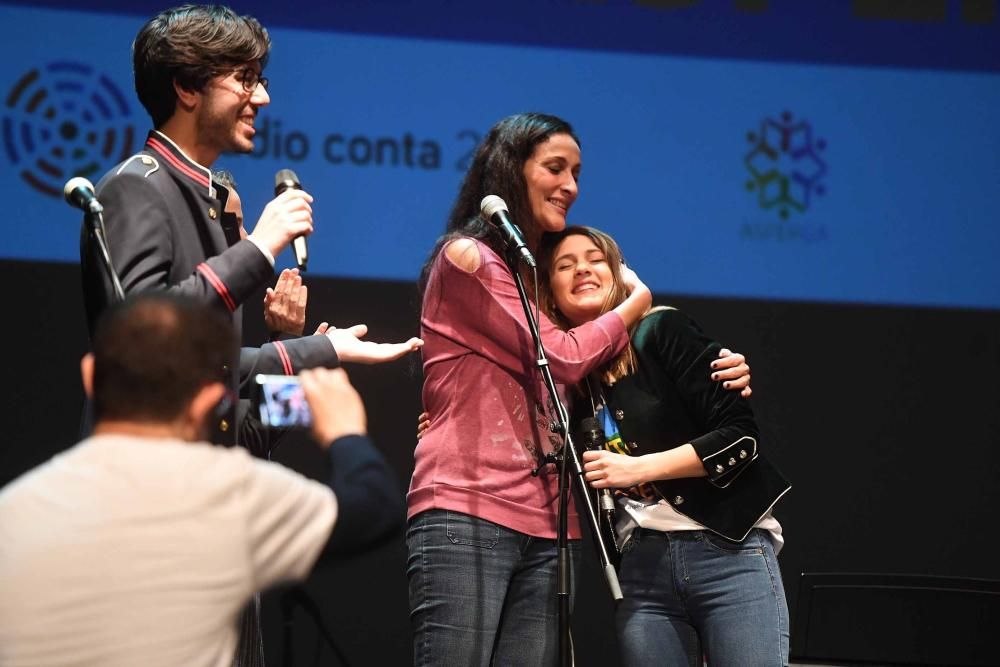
<point>192,44</point>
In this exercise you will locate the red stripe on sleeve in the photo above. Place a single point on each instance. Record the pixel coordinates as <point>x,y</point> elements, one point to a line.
<point>285,359</point>
<point>219,286</point>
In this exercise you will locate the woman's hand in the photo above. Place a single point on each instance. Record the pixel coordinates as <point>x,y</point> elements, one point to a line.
<point>423,423</point>
<point>631,281</point>
<point>639,298</point>
<point>604,469</point>
<point>732,369</point>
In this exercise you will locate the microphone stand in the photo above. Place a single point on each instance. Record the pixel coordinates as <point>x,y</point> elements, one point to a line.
<point>296,597</point>
<point>564,459</point>
<point>94,219</point>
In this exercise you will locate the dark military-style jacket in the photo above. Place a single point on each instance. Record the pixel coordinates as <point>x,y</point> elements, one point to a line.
<point>164,224</point>
<point>671,400</point>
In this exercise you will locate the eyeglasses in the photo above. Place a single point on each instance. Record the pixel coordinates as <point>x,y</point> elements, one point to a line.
<point>250,77</point>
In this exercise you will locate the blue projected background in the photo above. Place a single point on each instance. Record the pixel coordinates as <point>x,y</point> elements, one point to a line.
<point>736,165</point>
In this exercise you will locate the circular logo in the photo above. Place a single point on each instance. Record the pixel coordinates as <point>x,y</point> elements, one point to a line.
<point>64,120</point>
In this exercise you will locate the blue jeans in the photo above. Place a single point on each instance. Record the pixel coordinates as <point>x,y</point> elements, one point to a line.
<point>692,594</point>
<point>481,594</point>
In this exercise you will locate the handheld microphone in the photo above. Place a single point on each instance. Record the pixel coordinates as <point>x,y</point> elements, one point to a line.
<point>592,437</point>
<point>287,180</point>
<point>79,193</point>
<point>494,209</point>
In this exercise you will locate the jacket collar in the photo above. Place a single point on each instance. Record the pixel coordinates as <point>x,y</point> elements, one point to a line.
<point>164,146</point>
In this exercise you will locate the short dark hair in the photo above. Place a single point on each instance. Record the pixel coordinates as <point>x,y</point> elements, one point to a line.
<point>153,353</point>
<point>192,44</point>
<point>498,169</point>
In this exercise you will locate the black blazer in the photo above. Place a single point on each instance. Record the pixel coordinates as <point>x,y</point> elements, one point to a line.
<point>670,401</point>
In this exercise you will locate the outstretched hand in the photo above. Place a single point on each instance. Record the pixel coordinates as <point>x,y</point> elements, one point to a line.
<point>350,347</point>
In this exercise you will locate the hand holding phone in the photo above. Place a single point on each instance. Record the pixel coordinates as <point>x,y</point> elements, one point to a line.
<point>336,407</point>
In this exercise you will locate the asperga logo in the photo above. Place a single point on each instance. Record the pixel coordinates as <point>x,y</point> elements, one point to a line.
<point>785,164</point>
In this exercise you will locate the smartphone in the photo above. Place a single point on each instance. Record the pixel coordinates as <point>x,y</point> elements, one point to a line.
<point>282,402</point>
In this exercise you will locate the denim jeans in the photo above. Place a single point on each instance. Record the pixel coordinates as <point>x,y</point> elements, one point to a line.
<point>480,593</point>
<point>692,594</point>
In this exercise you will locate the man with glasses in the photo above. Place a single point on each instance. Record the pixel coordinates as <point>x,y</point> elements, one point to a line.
<point>198,73</point>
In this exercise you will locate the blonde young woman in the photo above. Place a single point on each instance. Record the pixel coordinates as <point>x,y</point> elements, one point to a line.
<point>695,492</point>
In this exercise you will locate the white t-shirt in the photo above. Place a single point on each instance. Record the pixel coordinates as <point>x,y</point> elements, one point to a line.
<point>659,515</point>
<point>129,551</point>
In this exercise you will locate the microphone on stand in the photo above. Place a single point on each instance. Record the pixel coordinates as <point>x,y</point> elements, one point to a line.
<point>287,180</point>
<point>79,193</point>
<point>494,209</point>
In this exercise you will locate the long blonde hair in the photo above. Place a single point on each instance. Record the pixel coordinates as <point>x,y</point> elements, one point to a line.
<point>625,363</point>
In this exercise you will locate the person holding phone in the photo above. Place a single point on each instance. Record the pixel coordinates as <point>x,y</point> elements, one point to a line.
<point>199,74</point>
<point>151,569</point>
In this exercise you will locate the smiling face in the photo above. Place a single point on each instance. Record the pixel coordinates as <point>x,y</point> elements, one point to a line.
<point>581,280</point>
<point>551,175</point>
<point>227,113</point>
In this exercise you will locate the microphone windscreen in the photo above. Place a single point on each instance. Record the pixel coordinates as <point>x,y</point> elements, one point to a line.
<point>285,179</point>
<point>492,204</point>
<point>591,433</point>
<point>73,184</point>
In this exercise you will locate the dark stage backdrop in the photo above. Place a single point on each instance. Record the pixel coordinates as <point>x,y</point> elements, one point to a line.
<point>884,419</point>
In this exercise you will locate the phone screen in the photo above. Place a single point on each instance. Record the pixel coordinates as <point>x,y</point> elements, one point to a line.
<point>282,402</point>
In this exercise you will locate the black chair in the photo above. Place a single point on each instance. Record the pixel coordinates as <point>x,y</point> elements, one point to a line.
<point>897,619</point>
